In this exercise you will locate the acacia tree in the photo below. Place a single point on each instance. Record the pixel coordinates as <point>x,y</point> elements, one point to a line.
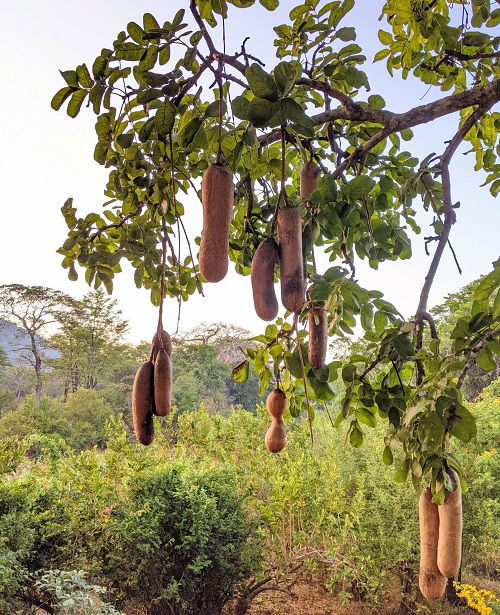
<point>33,309</point>
<point>85,339</point>
<point>161,123</point>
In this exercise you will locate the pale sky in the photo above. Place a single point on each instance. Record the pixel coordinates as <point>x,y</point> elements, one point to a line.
<point>47,157</point>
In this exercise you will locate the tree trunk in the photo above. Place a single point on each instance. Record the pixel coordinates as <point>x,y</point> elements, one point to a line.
<point>38,371</point>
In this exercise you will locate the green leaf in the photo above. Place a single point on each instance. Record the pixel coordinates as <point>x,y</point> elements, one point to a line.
<point>84,78</point>
<point>130,52</point>
<point>346,34</point>
<point>75,102</point>
<point>359,187</point>
<point>430,431</point>
<point>463,424</point>
<point>348,373</point>
<point>285,75</point>
<point>146,130</point>
<point>380,55</point>
<point>164,55</point>
<point>322,390</point>
<point>125,140</point>
<point>260,111</point>
<point>485,360</point>
<point>146,96</point>
<point>403,346</point>
<point>270,5</point>
<point>387,456</point>
<point>356,436</point>
<point>380,321</point>
<point>240,107</point>
<point>295,113</point>
<point>188,133</point>
<point>165,118</point>
<point>149,22</point>
<point>384,37</point>
<point>70,77</point>
<point>376,101</point>
<point>487,285</point>
<point>241,371</point>
<point>261,83</point>
<point>213,109</point>
<point>136,33</point>
<point>401,473</point>
<point>365,416</point>
<point>293,365</point>
<point>60,96</point>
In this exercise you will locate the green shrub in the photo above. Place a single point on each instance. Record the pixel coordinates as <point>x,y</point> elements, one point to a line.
<point>146,528</point>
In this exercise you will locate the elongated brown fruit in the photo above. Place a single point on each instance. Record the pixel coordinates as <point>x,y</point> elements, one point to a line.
<point>276,403</point>
<point>430,580</point>
<point>142,404</point>
<point>163,383</point>
<point>449,551</point>
<point>318,337</point>
<point>291,263</point>
<point>275,437</point>
<point>217,192</point>
<point>164,342</point>
<point>308,179</point>
<point>262,276</point>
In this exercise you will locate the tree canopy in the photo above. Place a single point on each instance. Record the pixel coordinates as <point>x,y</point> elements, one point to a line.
<point>161,122</point>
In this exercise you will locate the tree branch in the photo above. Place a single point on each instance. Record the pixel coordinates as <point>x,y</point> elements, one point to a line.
<point>475,56</point>
<point>487,94</point>
<point>449,220</point>
<point>120,224</point>
<point>208,39</point>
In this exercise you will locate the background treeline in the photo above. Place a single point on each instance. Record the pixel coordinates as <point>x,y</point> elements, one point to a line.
<point>86,369</point>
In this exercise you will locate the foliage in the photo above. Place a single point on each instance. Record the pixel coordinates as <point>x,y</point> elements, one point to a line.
<point>146,527</point>
<point>4,362</point>
<point>86,338</point>
<point>459,305</point>
<point>26,419</point>
<point>32,309</point>
<point>158,128</point>
<point>329,509</point>
<point>73,594</point>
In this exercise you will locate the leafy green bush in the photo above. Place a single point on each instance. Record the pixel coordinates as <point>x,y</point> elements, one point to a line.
<point>147,528</point>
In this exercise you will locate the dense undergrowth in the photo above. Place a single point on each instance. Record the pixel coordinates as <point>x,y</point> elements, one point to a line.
<point>206,513</point>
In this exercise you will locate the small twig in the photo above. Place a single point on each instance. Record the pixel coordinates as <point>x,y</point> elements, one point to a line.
<point>120,224</point>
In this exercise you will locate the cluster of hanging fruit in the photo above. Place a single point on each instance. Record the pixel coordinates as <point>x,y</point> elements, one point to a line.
<point>217,197</point>
<point>152,391</point>
<point>440,541</point>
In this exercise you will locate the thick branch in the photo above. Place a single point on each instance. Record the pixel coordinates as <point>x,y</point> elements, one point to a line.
<point>475,56</point>
<point>487,94</point>
<point>449,220</point>
<point>208,39</point>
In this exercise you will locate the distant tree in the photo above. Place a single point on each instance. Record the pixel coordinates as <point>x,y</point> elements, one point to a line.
<point>89,333</point>
<point>33,309</point>
<point>31,417</point>
<point>4,362</point>
<point>229,341</point>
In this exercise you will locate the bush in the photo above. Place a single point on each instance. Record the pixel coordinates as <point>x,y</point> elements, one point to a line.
<point>26,419</point>
<point>148,529</point>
